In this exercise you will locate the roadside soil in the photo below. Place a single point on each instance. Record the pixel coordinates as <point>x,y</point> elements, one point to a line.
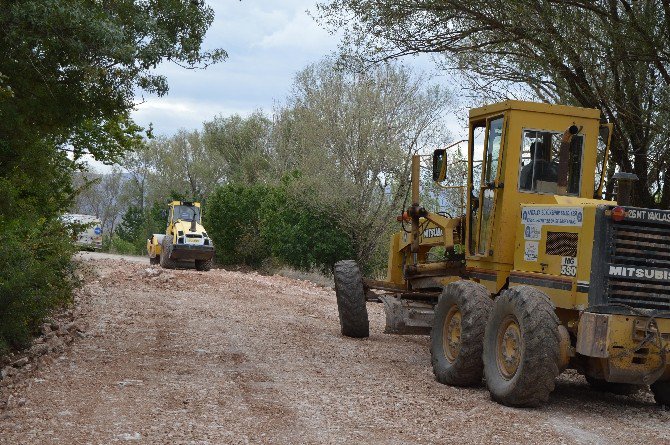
<point>223,357</point>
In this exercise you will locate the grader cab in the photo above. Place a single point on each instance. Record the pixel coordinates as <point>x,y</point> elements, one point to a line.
<point>535,275</point>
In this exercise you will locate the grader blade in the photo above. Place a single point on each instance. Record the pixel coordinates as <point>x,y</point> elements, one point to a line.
<point>407,317</point>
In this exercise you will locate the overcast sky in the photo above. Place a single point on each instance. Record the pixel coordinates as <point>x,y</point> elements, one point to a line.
<point>268,42</point>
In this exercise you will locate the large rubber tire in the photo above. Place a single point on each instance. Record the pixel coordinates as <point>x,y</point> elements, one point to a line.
<point>460,316</point>
<point>661,392</point>
<point>622,389</point>
<point>166,249</point>
<point>351,299</point>
<point>203,265</point>
<point>524,319</point>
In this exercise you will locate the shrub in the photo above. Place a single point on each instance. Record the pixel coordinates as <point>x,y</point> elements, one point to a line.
<point>132,225</point>
<point>255,224</point>
<point>123,247</point>
<point>300,235</point>
<point>36,277</point>
<point>232,222</point>
<point>136,227</point>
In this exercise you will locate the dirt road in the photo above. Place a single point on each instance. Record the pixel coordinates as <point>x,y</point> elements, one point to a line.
<point>183,357</point>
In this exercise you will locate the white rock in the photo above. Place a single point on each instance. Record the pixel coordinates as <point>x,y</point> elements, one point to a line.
<point>39,349</point>
<point>21,362</point>
<point>128,436</point>
<point>8,371</point>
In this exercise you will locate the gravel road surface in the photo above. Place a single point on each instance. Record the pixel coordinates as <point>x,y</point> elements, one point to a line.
<point>184,357</point>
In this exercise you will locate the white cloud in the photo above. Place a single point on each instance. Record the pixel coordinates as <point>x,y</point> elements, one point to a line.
<point>268,42</point>
<point>300,32</point>
<point>167,115</point>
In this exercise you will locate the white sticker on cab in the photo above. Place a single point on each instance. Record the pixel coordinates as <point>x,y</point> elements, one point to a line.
<point>554,216</point>
<point>530,251</point>
<point>532,232</point>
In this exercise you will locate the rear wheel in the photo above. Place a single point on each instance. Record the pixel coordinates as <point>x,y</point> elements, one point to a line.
<point>521,348</point>
<point>351,299</point>
<point>166,250</point>
<point>203,265</point>
<point>456,340</point>
<point>661,392</point>
<point>622,389</point>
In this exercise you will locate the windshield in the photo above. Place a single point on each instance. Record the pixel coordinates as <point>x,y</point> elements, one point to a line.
<point>538,172</point>
<point>186,213</point>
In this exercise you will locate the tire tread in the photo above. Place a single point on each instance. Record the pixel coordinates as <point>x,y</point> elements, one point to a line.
<point>539,366</point>
<point>351,304</point>
<point>474,303</point>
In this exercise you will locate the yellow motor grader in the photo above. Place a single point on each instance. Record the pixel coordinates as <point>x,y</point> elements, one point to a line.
<point>535,275</point>
<point>185,239</point>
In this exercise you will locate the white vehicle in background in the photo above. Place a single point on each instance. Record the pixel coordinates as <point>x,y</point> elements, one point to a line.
<point>91,236</point>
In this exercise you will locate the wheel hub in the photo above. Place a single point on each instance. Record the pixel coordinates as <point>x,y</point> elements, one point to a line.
<point>509,347</point>
<point>451,334</point>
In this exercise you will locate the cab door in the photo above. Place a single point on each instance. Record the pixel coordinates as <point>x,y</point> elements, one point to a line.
<point>486,187</point>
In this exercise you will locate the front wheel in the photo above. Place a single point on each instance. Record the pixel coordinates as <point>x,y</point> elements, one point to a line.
<point>456,340</point>
<point>166,250</point>
<point>351,299</point>
<point>522,348</point>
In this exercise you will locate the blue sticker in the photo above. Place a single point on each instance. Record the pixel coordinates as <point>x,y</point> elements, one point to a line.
<point>97,230</point>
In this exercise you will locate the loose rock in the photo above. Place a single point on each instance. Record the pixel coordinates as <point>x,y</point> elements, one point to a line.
<point>56,345</point>
<point>39,349</point>
<point>21,362</point>
<point>232,357</point>
<point>8,371</point>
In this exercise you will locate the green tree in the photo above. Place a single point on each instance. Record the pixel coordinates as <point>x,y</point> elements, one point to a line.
<point>244,145</point>
<point>69,73</point>
<point>183,166</point>
<point>350,135</point>
<point>606,54</point>
<point>301,235</point>
<point>70,68</point>
<point>132,227</point>
<point>233,223</point>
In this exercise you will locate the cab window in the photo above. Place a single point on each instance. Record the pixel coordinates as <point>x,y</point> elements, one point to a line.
<point>186,213</point>
<point>485,146</point>
<point>538,170</point>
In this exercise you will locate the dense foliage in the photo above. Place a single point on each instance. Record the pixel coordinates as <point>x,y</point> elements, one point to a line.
<point>69,72</point>
<point>36,276</point>
<point>251,224</point>
<point>300,234</point>
<point>233,222</point>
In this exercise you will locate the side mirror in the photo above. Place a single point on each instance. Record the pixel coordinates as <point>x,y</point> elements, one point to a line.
<point>439,165</point>
<point>164,213</point>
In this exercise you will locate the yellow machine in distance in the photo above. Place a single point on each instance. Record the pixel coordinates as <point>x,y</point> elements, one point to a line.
<point>185,239</point>
<point>536,274</point>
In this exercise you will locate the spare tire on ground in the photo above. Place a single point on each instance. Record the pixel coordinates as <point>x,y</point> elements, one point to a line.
<point>351,299</point>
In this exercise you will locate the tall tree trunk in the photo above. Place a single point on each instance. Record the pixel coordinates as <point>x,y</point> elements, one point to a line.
<point>665,191</point>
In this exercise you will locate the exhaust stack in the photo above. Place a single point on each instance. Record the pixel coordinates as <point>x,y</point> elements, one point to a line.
<point>624,187</point>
